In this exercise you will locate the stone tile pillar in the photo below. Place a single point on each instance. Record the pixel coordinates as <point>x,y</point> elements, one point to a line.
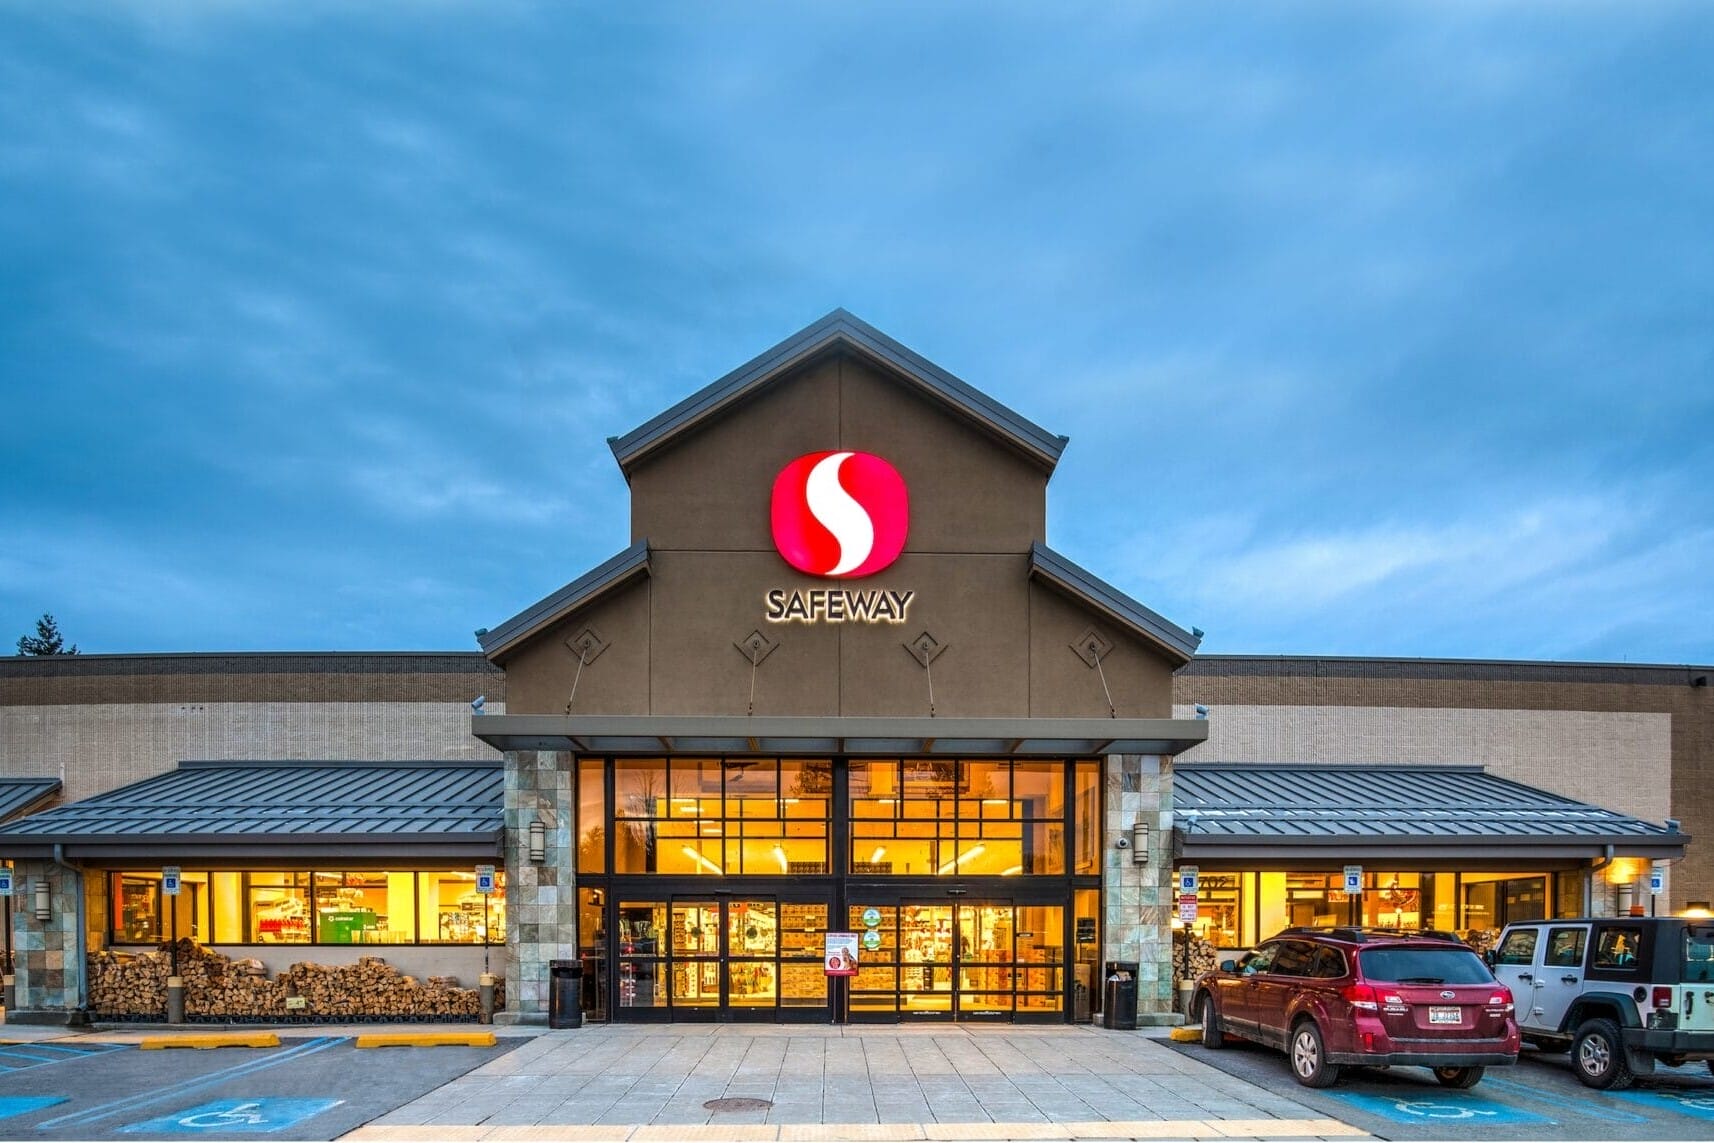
<point>47,967</point>
<point>541,900</point>
<point>1137,921</point>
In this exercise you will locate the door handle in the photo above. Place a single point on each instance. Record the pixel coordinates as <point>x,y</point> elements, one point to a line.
<point>1568,980</point>
<point>1526,977</point>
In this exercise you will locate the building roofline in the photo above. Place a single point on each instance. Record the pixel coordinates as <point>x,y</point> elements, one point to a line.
<point>837,328</point>
<point>1051,567</point>
<point>580,592</point>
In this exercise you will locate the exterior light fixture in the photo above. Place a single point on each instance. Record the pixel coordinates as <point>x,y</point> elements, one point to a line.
<point>538,841</point>
<point>1140,843</point>
<point>44,900</point>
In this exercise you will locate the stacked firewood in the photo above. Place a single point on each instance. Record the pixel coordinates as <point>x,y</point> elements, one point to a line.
<point>372,987</point>
<point>123,984</point>
<point>1191,955</point>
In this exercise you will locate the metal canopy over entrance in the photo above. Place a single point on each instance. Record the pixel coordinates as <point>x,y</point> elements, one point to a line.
<point>847,737</point>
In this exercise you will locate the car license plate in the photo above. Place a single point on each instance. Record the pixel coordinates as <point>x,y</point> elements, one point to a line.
<point>1438,1015</point>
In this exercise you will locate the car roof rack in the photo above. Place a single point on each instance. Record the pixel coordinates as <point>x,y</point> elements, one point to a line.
<point>1364,934</point>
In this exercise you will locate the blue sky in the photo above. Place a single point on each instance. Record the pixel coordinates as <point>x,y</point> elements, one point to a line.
<point>1377,330</point>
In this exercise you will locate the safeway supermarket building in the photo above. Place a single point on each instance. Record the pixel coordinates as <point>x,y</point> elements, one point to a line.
<point>991,783</point>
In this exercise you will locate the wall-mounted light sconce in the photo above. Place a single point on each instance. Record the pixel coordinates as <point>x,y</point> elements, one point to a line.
<point>538,841</point>
<point>1140,843</point>
<point>44,901</point>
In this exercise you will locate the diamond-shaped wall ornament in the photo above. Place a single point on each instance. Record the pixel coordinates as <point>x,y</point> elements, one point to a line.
<point>925,648</point>
<point>1091,647</point>
<point>755,647</point>
<point>586,645</point>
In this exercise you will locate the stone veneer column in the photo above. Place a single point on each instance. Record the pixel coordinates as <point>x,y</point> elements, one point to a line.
<point>45,953</point>
<point>1137,920</point>
<point>541,900</point>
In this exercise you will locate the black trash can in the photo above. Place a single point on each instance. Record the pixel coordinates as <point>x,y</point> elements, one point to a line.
<point>1119,997</point>
<point>565,987</point>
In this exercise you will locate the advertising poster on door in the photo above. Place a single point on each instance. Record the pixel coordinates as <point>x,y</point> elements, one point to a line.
<point>841,954</point>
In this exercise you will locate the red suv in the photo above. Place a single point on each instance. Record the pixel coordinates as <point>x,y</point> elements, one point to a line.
<point>1375,997</point>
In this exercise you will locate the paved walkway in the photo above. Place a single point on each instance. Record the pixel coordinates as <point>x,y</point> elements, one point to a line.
<point>625,1082</point>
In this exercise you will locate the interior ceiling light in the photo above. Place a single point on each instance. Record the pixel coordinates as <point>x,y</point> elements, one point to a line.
<point>691,853</point>
<point>968,855</point>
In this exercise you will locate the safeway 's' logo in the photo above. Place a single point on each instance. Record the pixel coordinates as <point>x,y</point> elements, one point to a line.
<point>840,514</point>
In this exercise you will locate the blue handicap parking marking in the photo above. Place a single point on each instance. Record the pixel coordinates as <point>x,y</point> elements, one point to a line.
<point>1438,1107</point>
<point>1695,1102</point>
<point>226,1116</point>
<point>11,1105</point>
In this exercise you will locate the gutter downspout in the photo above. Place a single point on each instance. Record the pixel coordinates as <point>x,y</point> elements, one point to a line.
<point>80,1016</point>
<point>1589,885</point>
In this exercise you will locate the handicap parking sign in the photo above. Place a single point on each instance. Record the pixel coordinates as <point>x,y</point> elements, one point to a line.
<point>235,1116</point>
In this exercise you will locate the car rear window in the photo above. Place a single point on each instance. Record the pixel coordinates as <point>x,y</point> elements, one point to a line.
<point>1424,966</point>
<point>1699,955</point>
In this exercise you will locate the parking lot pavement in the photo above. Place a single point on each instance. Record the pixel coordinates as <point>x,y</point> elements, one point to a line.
<point>631,1082</point>
<point>1538,1098</point>
<point>309,1087</point>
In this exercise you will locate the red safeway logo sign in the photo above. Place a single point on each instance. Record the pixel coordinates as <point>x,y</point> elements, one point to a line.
<point>840,514</point>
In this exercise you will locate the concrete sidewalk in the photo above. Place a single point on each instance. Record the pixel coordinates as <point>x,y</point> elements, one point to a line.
<point>631,1082</point>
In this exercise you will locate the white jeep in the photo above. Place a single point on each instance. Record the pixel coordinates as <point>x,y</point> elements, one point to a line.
<point>1621,992</point>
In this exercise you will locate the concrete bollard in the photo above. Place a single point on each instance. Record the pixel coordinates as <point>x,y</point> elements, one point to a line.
<point>485,995</point>
<point>175,1000</point>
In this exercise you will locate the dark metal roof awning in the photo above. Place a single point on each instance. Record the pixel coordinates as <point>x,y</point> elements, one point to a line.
<point>282,809</point>
<point>21,795</point>
<point>850,737</point>
<point>1297,812</point>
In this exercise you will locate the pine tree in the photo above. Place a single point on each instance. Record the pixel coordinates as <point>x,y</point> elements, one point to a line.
<point>46,641</point>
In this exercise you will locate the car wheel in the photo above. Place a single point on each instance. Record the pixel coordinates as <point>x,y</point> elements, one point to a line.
<point>1458,1077</point>
<point>1309,1057</point>
<point>1212,1036</point>
<point>1598,1056</point>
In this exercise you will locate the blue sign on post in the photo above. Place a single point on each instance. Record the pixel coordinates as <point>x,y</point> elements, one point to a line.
<point>1657,881</point>
<point>485,879</point>
<point>1189,877</point>
<point>241,1116</point>
<point>170,880</point>
<point>5,881</point>
<point>1354,880</point>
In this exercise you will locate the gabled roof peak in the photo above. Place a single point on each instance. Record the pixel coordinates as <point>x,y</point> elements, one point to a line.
<point>839,328</point>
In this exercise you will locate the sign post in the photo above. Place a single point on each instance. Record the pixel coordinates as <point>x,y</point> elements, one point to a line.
<point>485,886</point>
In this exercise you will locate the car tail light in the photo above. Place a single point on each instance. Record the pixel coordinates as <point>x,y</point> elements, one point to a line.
<point>1360,996</point>
<point>1663,998</point>
<point>1501,999</point>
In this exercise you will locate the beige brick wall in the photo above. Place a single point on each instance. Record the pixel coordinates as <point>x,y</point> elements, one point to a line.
<point>94,747</point>
<point>1620,760</point>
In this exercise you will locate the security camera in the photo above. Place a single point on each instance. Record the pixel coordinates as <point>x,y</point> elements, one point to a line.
<point>1123,842</point>
<point>477,703</point>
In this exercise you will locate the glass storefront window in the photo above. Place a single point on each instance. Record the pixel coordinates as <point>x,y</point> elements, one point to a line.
<point>591,816</point>
<point>1086,824</point>
<point>732,817</point>
<point>960,818</point>
<point>308,907</point>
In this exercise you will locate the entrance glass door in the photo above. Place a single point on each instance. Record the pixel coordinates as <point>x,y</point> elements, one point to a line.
<point>984,962</point>
<point>974,960</point>
<point>720,958</point>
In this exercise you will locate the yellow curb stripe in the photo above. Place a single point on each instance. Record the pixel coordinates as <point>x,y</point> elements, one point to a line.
<point>427,1040</point>
<point>1185,1035</point>
<point>213,1040</point>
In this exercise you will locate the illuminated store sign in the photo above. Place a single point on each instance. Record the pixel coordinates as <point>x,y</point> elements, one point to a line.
<point>842,515</point>
<point>837,605</point>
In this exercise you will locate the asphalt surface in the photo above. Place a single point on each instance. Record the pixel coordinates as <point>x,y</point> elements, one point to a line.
<point>1538,1098</point>
<point>316,1087</point>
